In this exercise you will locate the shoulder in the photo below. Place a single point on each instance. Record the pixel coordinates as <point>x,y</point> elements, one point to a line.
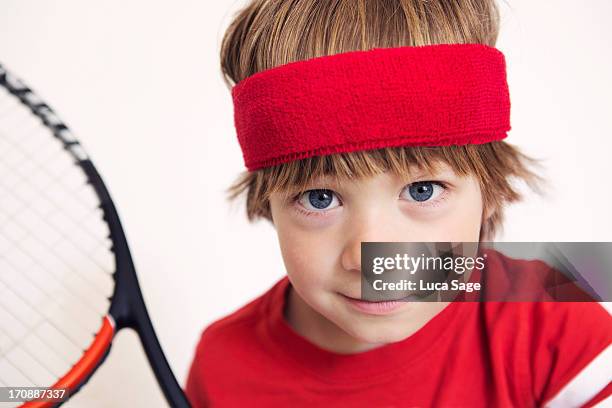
<point>529,280</point>
<point>570,350</point>
<point>563,349</point>
<point>230,340</point>
<point>542,319</point>
<point>239,320</point>
<point>245,321</point>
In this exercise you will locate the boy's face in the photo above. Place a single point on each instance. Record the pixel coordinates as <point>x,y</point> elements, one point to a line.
<point>321,231</point>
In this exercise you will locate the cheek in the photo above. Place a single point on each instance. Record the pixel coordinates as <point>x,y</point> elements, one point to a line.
<point>463,224</point>
<point>467,217</point>
<point>309,257</point>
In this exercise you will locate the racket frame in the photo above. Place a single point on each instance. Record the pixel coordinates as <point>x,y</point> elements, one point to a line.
<point>127,308</point>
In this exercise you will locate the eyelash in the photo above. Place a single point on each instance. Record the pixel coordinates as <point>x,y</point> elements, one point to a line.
<point>299,208</point>
<point>438,200</point>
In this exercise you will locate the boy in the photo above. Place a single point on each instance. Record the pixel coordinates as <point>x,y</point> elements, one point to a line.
<point>398,142</point>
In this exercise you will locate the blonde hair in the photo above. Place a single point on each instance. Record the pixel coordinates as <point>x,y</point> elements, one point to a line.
<point>269,33</point>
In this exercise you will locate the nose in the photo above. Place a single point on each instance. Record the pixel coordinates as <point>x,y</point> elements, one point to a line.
<point>369,226</point>
<point>351,256</point>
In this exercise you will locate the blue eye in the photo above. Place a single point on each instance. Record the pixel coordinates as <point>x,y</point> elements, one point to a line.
<point>423,190</point>
<point>319,199</point>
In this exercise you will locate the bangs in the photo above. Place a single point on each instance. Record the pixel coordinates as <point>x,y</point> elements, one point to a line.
<point>296,176</point>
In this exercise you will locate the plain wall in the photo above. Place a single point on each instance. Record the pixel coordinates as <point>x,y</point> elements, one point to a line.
<point>139,83</point>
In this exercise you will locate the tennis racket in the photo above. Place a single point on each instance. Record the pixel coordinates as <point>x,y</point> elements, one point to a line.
<point>67,280</point>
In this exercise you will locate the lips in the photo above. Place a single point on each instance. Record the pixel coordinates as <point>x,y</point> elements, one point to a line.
<point>411,297</point>
<point>374,308</point>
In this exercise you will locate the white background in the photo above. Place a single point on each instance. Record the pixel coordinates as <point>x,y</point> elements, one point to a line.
<point>139,83</point>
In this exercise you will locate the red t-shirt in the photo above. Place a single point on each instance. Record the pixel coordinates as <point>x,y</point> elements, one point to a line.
<point>472,354</point>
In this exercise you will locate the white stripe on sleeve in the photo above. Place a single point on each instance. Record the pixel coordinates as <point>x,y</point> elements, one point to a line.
<point>587,384</point>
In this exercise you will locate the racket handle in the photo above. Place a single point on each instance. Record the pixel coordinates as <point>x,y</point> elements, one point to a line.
<point>130,311</point>
<point>166,379</point>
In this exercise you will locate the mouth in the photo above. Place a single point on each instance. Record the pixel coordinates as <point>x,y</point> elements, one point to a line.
<point>376,307</point>
<point>412,297</point>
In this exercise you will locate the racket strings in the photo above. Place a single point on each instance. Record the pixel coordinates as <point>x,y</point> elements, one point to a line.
<point>86,207</point>
<point>32,233</point>
<point>30,354</point>
<point>33,331</point>
<point>62,291</point>
<point>78,223</point>
<point>63,237</point>
<point>56,259</point>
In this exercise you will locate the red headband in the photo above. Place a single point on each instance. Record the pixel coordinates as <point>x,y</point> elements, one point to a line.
<point>433,95</point>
